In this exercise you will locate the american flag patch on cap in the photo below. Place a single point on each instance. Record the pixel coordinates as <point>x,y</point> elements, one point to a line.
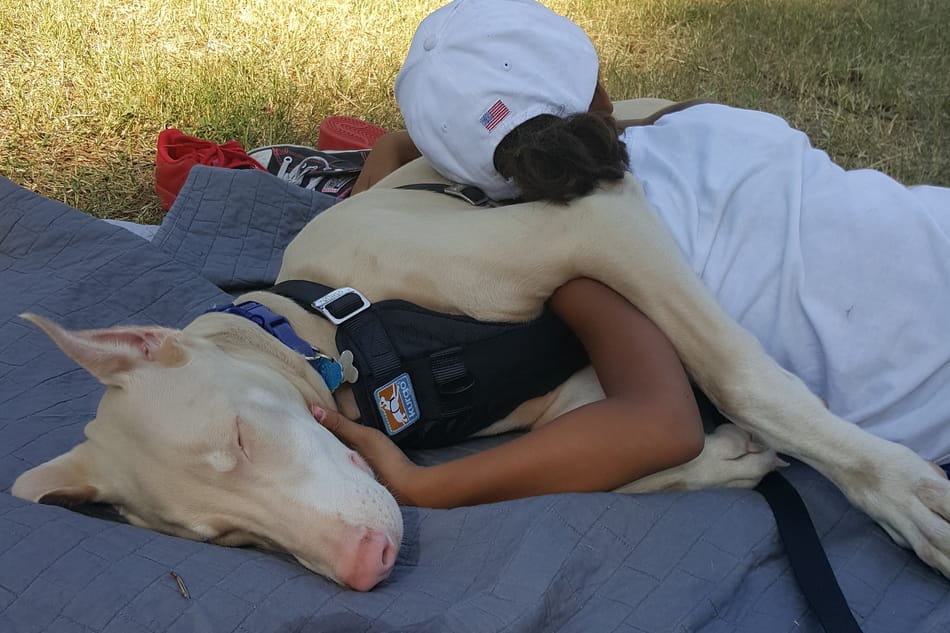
<point>494,115</point>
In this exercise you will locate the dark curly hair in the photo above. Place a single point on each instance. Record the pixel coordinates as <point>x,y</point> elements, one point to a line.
<point>559,159</point>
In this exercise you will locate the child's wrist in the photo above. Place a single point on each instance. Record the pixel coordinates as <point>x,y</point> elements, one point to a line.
<point>418,484</point>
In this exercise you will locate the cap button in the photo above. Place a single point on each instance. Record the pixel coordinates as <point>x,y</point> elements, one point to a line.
<point>430,42</point>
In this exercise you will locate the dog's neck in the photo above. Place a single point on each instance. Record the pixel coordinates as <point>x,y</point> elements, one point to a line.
<point>243,337</point>
<point>318,332</point>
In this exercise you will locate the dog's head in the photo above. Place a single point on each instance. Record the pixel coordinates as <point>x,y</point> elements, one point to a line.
<point>214,441</point>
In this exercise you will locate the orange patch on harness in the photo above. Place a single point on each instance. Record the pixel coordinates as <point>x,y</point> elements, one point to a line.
<point>397,404</point>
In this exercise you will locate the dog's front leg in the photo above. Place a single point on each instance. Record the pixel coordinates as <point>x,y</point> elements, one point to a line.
<point>629,249</point>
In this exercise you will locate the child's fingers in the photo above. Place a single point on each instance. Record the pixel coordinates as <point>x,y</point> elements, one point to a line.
<point>334,422</point>
<point>387,460</point>
<point>349,432</point>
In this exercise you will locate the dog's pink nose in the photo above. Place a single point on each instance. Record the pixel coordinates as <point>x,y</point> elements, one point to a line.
<point>367,559</point>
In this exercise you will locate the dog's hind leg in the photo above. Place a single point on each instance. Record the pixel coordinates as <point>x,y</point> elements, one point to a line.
<point>730,458</point>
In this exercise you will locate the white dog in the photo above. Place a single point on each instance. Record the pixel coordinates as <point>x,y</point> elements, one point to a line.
<point>206,432</point>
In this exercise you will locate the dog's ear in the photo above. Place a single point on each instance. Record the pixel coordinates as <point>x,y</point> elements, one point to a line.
<point>64,481</point>
<point>110,353</point>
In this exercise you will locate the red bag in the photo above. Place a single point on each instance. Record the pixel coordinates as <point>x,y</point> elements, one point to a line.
<point>178,153</point>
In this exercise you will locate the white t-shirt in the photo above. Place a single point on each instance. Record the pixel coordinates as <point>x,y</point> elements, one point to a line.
<point>844,276</point>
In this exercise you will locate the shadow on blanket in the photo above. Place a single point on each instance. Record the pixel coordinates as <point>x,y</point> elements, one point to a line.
<point>707,561</point>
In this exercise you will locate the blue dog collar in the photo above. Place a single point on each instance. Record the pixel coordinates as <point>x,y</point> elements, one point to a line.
<point>278,326</point>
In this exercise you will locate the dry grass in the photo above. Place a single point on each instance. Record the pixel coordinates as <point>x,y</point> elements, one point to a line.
<point>86,85</point>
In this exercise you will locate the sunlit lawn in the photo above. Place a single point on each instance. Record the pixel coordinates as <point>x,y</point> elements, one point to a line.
<point>86,85</point>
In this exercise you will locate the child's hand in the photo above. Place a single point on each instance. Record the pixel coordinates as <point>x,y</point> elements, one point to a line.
<point>387,460</point>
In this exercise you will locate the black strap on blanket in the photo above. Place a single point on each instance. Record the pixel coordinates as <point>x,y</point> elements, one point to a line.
<point>806,555</point>
<point>802,546</point>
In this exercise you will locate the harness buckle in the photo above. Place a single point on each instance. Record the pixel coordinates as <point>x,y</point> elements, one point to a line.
<point>472,195</point>
<point>322,304</point>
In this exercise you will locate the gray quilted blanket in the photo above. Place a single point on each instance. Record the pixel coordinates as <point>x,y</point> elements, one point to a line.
<point>708,561</point>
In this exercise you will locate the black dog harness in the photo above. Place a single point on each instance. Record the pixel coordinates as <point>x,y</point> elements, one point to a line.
<point>429,379</point>
<point>425,378</point>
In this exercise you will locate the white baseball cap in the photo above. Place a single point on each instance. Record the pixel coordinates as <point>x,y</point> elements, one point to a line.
<point>476,69</point>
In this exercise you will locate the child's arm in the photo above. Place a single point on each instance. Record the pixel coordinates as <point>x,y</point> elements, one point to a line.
<point>647,422</point>
<point>390,152</point>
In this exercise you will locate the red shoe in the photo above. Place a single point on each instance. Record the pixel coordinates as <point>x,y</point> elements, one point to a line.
<point>178,153</point>
<point>346,132</point>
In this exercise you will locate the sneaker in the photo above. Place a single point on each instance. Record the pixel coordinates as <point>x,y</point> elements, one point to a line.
<point>330,172</point>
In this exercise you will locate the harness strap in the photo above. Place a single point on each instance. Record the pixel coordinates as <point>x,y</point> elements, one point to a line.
<point>347,310</point>
<point>361,330</point>
<point>470,194</point>
<point>803,547</point>
<point>448,368</point>
<point>806,555</point>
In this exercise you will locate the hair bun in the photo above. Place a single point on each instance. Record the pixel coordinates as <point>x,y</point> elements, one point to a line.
<point>556,159</point>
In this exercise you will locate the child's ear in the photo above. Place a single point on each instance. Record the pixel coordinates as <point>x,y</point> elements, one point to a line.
<point>601,101</point>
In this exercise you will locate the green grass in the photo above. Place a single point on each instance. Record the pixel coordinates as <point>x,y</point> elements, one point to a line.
<point>86,85</point>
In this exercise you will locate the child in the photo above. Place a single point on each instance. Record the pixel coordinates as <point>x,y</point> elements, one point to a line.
<point>648,422</point>
<point>821,264</point>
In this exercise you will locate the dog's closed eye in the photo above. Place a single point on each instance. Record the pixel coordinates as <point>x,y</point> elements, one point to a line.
<point>241,437</point>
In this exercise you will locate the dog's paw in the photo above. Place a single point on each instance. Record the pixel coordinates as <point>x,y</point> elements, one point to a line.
<point>908,498</point>
<point>730,458</point>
